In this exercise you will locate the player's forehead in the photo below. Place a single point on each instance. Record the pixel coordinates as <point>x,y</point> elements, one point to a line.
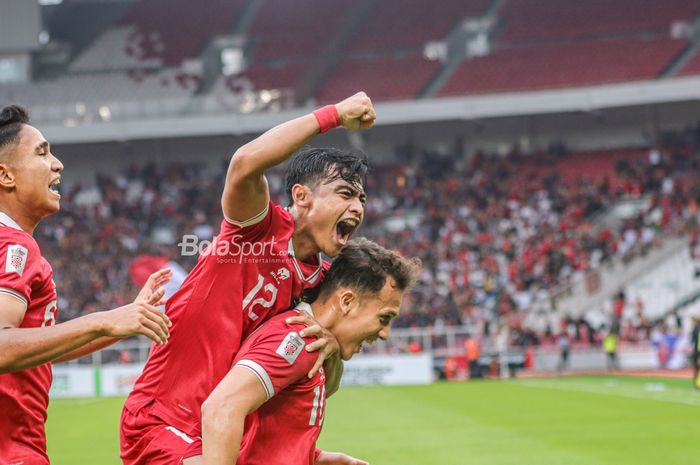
<point>333,184</point>
<point>388,299</point>
<point>30,139</point>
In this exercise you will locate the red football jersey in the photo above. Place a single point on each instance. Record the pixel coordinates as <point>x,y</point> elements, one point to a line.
<point>284,429</point>
<point>24,395</point>
<point>247,275</point>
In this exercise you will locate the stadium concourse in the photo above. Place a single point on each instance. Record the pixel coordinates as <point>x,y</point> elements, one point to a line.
<point>494,233</point>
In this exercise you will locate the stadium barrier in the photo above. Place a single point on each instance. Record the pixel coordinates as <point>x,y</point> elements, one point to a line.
<point>389,370</point>
<point>118,380</point>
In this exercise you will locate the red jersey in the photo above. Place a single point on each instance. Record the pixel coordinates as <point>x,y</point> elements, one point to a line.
<point>247,275</point>
<point>24,395</point>
<point>285,428</point>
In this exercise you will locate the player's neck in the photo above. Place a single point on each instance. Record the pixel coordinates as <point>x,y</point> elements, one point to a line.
<point>23,220</point>
<point>304,246</point>
<point>324,313</point>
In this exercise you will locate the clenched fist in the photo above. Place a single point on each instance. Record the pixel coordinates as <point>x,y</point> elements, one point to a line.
<point>356,112</point>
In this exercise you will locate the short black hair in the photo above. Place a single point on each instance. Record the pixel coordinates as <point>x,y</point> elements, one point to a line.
<point>364,266</point>
<point>12,117</point>
<point>312,165</point>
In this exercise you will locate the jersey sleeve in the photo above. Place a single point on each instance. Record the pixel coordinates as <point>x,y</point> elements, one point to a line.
<point>19,265</point>
<point>252,228</point>
<point>277,357</point>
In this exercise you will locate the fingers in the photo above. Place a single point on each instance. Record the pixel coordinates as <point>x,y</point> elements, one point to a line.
<point>153,331</point>
<point>302,319</point>
<point>156,296</point>
<point>159,277</point>
<point>158,316</point>
<point>318,344</point>
<point>317,366</point>
<point>313,330</point>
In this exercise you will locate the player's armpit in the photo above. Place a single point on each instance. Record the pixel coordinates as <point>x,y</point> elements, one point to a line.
<point>223,414</point>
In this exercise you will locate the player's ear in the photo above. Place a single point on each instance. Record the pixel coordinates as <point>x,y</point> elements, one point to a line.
<point>348,301</point>
<point>302,196</point>
<point>7,177</point>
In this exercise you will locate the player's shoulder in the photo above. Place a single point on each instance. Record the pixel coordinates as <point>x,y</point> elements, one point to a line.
<point>17,239</point>
<point>278,324</point>
<point>274,219</point>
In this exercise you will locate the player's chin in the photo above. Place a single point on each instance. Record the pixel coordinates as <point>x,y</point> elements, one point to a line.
<point>332,248</point>
<point>346,353</point>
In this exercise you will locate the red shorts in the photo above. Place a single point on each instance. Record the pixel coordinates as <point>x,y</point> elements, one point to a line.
<point>147,440</point>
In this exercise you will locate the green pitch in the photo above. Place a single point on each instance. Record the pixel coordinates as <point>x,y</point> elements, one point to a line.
<point>561,421</point>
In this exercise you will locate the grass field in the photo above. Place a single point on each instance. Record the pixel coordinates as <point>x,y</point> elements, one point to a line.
<point>558,421</point>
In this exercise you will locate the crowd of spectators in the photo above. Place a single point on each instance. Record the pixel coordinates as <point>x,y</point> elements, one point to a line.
<point>495,234</point>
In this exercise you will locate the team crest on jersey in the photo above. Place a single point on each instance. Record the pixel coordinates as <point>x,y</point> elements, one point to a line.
<point>291,347</point>
<point>282,274</point>
<point>16,259</point>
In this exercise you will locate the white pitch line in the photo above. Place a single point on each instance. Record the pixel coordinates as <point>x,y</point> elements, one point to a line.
<point>693,399</point>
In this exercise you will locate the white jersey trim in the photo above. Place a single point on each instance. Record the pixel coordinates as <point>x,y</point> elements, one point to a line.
<point>250,221</point>
<point>313,276</point>
<point>262,375</point>
<point>15,294</point>
<point>181,435</point>
<point>305,307</point>
<point>7,221</point>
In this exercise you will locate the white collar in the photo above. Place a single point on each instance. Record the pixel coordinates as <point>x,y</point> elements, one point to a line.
<point>7,221</point>
<point>305,307</point>
<point>313,276</point>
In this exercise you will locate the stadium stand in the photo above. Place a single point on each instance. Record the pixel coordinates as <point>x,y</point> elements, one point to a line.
<point>692,67</point>
<point>563,65</point>
<point>531,20</point>
<point>284,50</point>
<point>418,23</point>
<point>387,77</point>
<point>287,30</point>
<point>495,234</point>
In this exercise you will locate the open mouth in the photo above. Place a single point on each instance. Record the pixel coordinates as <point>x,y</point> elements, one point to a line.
<point>365,342</point>
<point>54,187</point>
<point>345,228</point>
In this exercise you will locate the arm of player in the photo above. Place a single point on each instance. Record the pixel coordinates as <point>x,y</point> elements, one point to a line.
<point>224,412</point>
<point>246,192</point>
<point>23,348</point>
<point>152,293</point>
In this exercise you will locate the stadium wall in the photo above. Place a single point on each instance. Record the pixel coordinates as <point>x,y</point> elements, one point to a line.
<point>118,380</point>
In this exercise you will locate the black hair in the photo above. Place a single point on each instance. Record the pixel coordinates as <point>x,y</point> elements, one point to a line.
<point>12,118</point>
<point>311,166</point>
<point>364,266</point>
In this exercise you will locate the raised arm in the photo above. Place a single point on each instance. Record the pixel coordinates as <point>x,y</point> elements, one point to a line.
<point>224,412</point>
<point>246,192</point>
<point>24,348</point>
